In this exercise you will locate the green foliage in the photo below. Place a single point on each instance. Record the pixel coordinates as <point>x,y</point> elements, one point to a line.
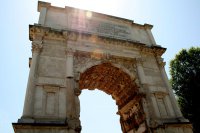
<point>185,80</point>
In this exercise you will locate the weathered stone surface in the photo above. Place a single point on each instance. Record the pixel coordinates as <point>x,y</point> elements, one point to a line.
<point>72,52</point>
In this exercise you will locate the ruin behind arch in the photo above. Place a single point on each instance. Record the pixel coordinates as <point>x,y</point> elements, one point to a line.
<point>71,52</point>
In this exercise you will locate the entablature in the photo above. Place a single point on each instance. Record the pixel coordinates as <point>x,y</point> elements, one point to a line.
<point>72,35</point>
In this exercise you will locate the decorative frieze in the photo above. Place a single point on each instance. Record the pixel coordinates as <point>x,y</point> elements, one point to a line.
<point>77,36</point>
<point>83,60</point>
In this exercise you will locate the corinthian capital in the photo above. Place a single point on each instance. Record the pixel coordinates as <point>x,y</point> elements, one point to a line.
<point>161,62</point>
<point>139,60</point>
<point>69,51</point>
<point>36,46</point>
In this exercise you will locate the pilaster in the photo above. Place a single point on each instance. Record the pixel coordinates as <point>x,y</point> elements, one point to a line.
<point>168,87</point>
<point>72,88</point>
<point>140,71</point>
<point>28,105</point>
<point>69,63</point>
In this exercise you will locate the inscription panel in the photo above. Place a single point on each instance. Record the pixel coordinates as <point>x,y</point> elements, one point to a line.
<point>100,27</point>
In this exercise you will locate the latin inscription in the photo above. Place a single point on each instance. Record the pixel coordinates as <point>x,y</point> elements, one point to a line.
<point>100,27</point>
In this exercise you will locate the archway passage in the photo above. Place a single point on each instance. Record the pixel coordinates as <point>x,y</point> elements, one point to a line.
<point>110,79</point>
<point>98,112</point>
<point>115,82</point>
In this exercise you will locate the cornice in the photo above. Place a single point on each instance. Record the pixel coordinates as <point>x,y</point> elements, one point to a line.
<point>65,35</point>
<point>148,26</point>
<point>96,14</point>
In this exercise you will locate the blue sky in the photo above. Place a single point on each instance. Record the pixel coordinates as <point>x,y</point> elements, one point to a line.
<point>176,26</point>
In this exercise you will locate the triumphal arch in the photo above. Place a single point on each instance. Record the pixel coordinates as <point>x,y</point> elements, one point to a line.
<point>75,49</point>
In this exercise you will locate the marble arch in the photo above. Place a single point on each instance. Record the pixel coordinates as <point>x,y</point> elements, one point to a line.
<point>115,82</point>
<point>71,52</point>
<point>109,79</point>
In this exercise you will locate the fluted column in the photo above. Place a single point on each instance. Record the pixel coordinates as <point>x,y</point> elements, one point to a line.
<point>29,98</point>
<point>155,106</point>
<point>73,103</point>
<point>69,83</point>
<point>168,86</point>
<point>140,71</point>
<point>69,63</point>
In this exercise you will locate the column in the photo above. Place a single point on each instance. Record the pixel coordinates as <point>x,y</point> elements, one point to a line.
<point>69,83</point>
<point>140,71</point>
<point>155,105</point>
<point>69,63</point>
<point>169,106</point>
<point>77,92</point>
<point>29,98</point>
<point>168,86</point>
<point>73,103</point>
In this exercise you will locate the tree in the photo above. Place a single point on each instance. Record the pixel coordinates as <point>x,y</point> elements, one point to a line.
<point>185,80</point>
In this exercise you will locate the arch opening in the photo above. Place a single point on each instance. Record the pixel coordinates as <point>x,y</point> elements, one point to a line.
<point>98,112</point>
<point>115,82</point>
<point>111,80</point>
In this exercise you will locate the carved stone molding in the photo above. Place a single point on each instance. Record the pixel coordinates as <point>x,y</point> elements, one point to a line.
<point>139,61</point>
<point>65,34</point>
<point>50,88</point>
<point>37,46</point>
<point>83,60</point>
<point>47,32</point>
<point>160,94</point>
<point>160,61</point>
<point>70,35</point>
<point>184,125</point>
<point>158,50</point>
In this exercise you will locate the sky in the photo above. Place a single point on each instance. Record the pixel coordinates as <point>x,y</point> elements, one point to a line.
<point>176,26</point>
